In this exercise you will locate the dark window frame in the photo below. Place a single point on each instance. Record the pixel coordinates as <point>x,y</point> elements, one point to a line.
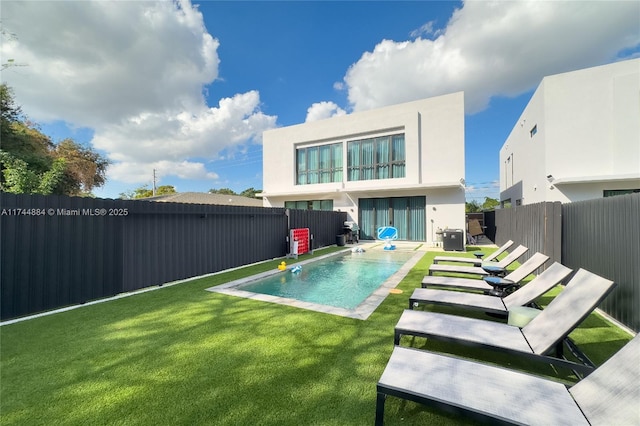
<point>392,166</point>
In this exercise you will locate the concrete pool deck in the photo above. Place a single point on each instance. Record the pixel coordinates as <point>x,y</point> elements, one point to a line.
<point>362,311</point>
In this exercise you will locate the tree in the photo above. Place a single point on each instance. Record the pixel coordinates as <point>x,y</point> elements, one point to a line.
<point>19,179</point>
<point>490,203</point>
<point>250,192</point>
<point>85,168</point>
<point>10,112</point>
<point>145,192</point>
<point>224,191</point>
<point>32,163</point>
<point>475,207</point>
<point>472,207</point>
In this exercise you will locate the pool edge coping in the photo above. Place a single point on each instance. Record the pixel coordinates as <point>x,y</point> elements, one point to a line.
<point>362,312</point>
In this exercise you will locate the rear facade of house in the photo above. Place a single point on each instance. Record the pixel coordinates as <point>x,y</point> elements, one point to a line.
<point>577,139</point>
<point>400,166</point>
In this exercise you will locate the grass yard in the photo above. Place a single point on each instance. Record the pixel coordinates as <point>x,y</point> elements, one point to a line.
<point>185,356</point>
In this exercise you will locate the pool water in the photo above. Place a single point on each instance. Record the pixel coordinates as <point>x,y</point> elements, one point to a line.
<point>342,281</point>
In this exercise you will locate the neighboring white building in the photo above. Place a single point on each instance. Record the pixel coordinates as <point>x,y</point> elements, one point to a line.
<point>401,165</point>
<point>577,139</point>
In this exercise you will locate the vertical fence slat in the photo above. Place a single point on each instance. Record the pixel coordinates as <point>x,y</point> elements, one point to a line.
<point>68,256</point>
<point>601,235</point>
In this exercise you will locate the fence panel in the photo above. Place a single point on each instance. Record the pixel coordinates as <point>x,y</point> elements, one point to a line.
<point>177,241</point>
<point>324,225</point>
<point>603,236</point>
<point>536,226</point>
<point>490,225</point>
<point>54,255</point>
<point>71,250</point>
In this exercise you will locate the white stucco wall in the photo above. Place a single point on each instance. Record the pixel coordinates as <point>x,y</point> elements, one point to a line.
<point>434,143</point>
<point>588,136</point>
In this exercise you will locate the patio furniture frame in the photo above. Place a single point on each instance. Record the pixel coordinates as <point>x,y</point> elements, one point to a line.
<point>524,296</point>
<point>501,396</point>
<point>476,270</point>
<point>539,338</point>
<point>475,261</point>
<point>474,284</point>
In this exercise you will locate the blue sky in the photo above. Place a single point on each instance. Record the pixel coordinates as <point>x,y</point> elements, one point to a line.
<point>186,88</point>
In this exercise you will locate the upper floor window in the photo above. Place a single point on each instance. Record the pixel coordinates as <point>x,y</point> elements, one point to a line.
<point>533,131</point>
<point>319,164</point>
<point>376,158</point>
<point>614,192</point>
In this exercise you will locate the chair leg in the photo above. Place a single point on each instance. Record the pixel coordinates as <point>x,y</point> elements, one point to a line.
<point>380,408</point>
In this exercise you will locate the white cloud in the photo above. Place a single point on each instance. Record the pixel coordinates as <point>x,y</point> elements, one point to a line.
<point>494,48</point>
<point>322,110</point>
<point>175,135</point>
<point>132,172</point>
<point>426,29</point>
<point>135,73</point>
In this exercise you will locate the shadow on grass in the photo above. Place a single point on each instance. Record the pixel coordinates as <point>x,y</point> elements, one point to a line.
<point>183,355</point>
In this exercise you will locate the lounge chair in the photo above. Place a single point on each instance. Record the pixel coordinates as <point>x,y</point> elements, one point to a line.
<point>473,284</point>
<point>534,341</point>
<point>477,261</point>
<point>495,305</point>
<point>608,396</point>
<point>479,270</point>
<point>474,229</point>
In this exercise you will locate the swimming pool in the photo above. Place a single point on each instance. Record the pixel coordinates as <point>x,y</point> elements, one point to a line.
<point>347,284</point>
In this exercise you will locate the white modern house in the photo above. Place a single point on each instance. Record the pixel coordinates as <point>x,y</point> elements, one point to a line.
<point>402,165</point>
<point>577,139</point>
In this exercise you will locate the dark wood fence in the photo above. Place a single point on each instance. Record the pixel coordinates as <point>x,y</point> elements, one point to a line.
<point>57,251</point>
<point>601,235</point>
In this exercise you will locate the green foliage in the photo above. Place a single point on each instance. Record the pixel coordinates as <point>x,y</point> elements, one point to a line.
<point>26,142</point>
<point>475,207</point>
<point>32,164</point>
<point>250,192</point>
<point>19,179</point>
<point>51,179</point>
<point>490,203</point>
<point>223,191</point>
<point>472,207</point>
<point>10,113</point>
<point>146,192</point>
<point>16,176</point>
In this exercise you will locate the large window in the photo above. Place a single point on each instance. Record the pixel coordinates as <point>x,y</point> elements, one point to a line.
<point>319,164</point>
<point>376,158</point>
<point>326,205</point>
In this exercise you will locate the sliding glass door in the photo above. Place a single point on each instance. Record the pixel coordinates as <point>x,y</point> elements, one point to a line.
<point>406,214</point>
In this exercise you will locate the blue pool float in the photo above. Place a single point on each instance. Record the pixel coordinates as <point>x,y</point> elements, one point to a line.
<point>296,269</point>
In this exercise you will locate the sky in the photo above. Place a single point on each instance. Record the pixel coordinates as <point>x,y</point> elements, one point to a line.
<point>186,88</point>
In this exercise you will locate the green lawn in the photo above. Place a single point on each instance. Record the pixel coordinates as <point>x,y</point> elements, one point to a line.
<point>184,356</point>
